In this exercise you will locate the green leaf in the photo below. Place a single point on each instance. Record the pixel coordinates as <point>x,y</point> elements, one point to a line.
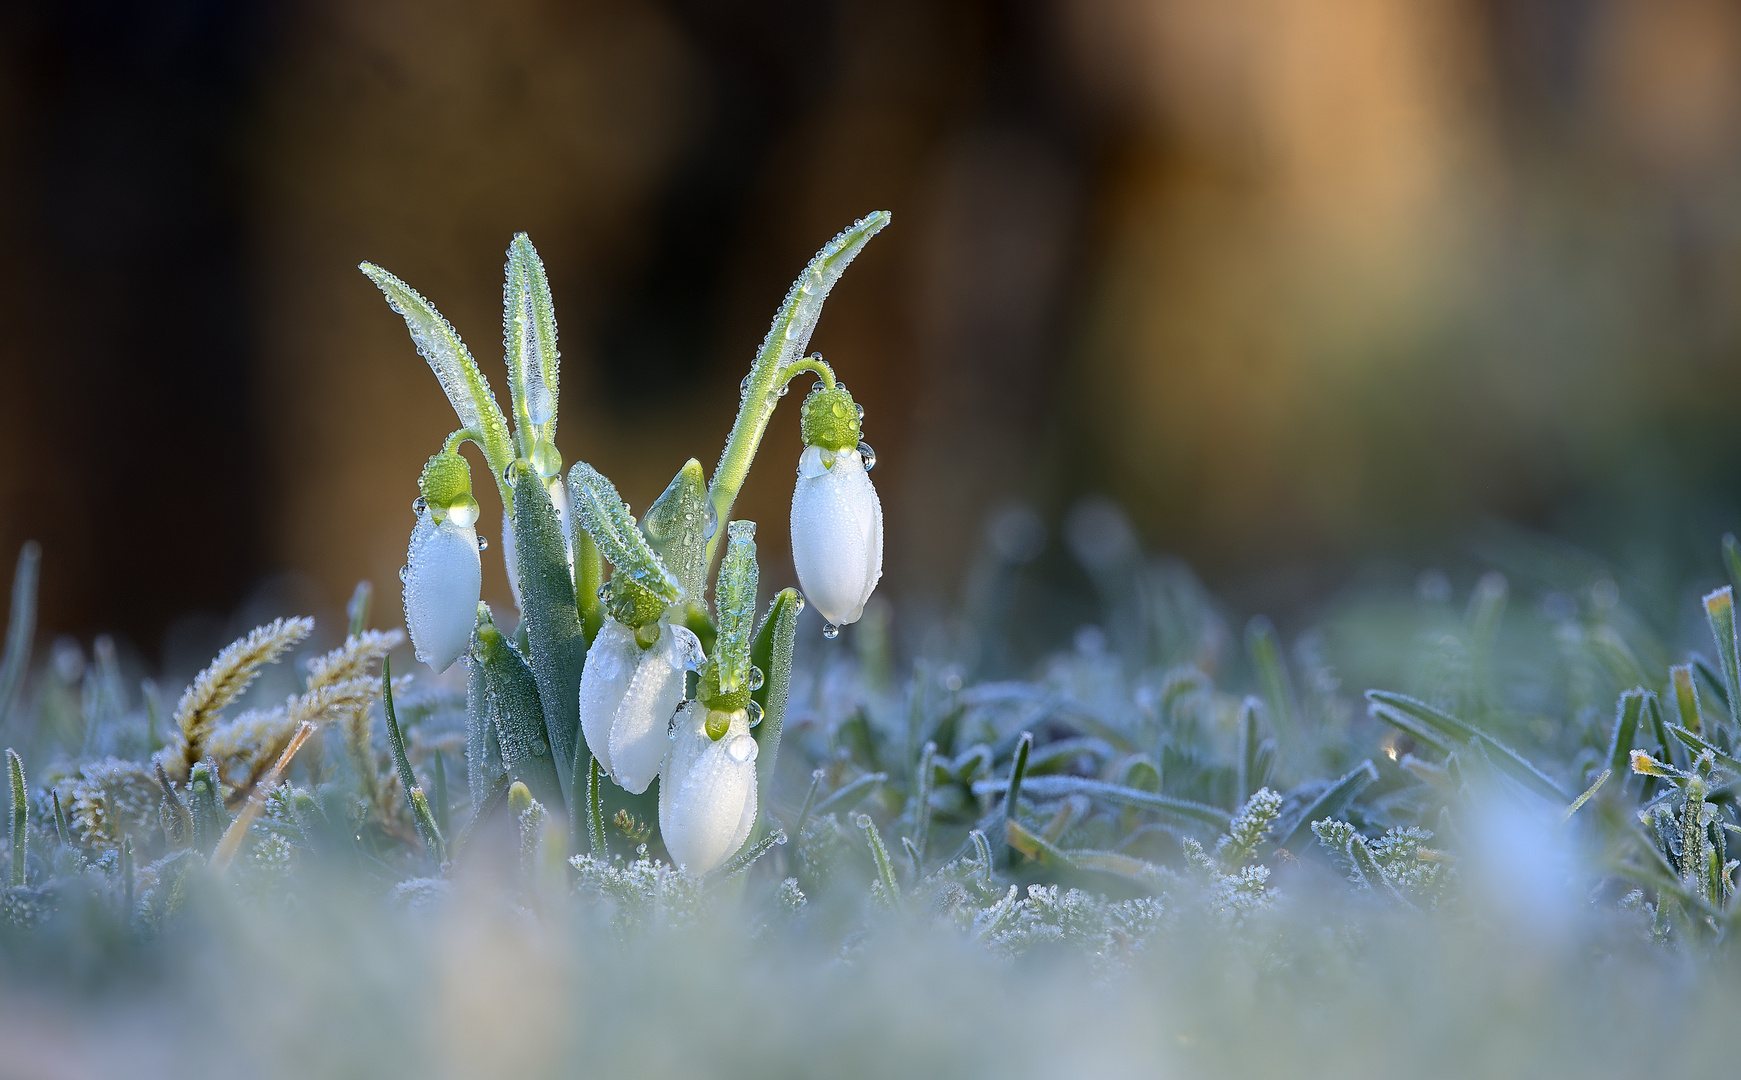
<point>1686,696</point>
<point>552,621</point>
<point>1696,744</point>
<point>678,525</point>
<point>464,384</point>
<point>1333,803</point>
<point>529,342</point>
<point>788,337</point>
<point>515,712</point>
<point>1057,787</point>
<point>1458,731</point>
<point>735,598</point>
<point>1018,770</point>
<point>772,652</point>
<point>20,627</point>
<point>607,519</point>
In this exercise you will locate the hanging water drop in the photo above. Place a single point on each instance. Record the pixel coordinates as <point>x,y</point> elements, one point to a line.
<point>754,712</point>
<point>463,512</point>
<point>712,521</point>
<point>800,601</point>
<point>546,462</point>
<point>756,677</point>
<point>742,749</point>
<point>868,455</point>
<point>483,543</point>
<point>860,411</point>
<point>508,473</point>
<point>419,505</point>
<point>404,572</point>
<point>830,631</point>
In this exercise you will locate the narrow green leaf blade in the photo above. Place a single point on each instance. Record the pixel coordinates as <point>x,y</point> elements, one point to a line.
<point>677,526</point>
<point>21,626</point>
<point>440,345</point>
<point>552,620</point>
<point>529,342</point>
<point>1513,763</point>
<point>772,652</point>
<point>516,713</point>
<point>1057,787</point>
<point>1626,716</point>
<point>1333,803</point>
<point>735,595</point>
<point>1720,612</point>
<point>607,520</point>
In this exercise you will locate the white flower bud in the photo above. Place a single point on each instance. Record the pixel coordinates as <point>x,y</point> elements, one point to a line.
<point>837,533</point>
<point>707,796</point>
<point>627,696</point>
<point>443,580</point>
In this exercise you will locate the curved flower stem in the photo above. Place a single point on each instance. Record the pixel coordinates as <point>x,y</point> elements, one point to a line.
<point>786,341</point>
<point>808,363</point>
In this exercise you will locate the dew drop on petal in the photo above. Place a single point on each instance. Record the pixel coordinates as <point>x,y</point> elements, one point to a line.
<point>742,749</point>
<point>404,572</point>
<point>419,505</point>
<point>483,543</point>
<point>830,631</point>
<point>869,455</point>
<point>755,713</point>
<point>463,512</point>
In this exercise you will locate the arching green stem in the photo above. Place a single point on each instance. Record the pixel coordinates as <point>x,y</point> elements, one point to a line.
<point>808,363</point>
<point>787,339</point>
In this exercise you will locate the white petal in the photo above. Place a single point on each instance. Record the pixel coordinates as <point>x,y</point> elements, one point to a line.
<point>707,794</point>
<point>443,579</point>
<point>837,535</point>
<point>511,557</point>
<point>640,734</point>
<point>610,664</point>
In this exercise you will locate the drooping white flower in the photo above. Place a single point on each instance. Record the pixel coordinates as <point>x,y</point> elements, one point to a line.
<point>627,696</point>
<point>707,792</point>
<point>443,580</point>
<point>837,533</point>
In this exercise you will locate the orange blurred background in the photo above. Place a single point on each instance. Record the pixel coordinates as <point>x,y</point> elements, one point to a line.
<point>1295,281</point>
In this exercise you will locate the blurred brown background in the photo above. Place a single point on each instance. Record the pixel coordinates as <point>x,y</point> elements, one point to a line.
<point>1296,281</point>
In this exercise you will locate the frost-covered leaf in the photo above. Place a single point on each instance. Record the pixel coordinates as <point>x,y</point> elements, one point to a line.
<point>607,519</point>
<point>735,597</point>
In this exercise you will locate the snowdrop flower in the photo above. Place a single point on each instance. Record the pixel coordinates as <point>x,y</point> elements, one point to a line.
<point>707,794</point>
<point>443,577</point>
<point>837,520</point>
<point>628,694</point>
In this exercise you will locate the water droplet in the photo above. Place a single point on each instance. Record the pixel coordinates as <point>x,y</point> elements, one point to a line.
<point>837,409</point>
<point>419,505</point>
<point>861,412</point>
<point>784,390</point>
<point>546,462</point>
<point>540,748</point>
<point>463,512</point>
<point>540,405</point>
<point>604,592</point>
<point>755,713</point>
<point>742,749</point>
<point>483,543</point>
<point>404,572</point>
<point>712,522</point>
<point>686,649</point>
<point>780,837</point>
<point>830,631</point>
<point>868,455</point>
<point>756,677</point>
<point>800,601</point>
<point>640,850</point>
<point>744,388</point>
<point>508,473</point>
<point>863,821</point>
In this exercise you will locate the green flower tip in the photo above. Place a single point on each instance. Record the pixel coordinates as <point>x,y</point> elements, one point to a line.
<point>631,603</point>
<point>446,485</point>
<point>708,693</point>
<point>831,419</point>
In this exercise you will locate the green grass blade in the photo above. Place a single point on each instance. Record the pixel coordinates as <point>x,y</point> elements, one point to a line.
<point>1686,697</point>
<point>1272,674</point>
<point>1720,613</point>
<point>1334,802</point>
<point>1018,769</point>
<point>1057,787</point>
<point>420,812</point>
<point>1509,760</point>
<point>1626,715</point>
<point>1692,741</point>
<point>20,818</point>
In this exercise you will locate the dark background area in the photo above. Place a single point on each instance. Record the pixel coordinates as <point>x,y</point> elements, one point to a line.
<point>1297,282</point>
